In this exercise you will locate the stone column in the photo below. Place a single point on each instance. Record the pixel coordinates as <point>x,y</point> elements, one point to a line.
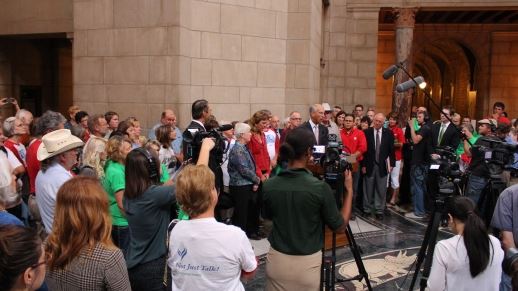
<point>405,21</point>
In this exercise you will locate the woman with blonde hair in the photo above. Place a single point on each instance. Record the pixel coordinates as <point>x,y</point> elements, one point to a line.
<point>114,184</point>
<point>80,251</point>
<point>94,158</point>
<point>136,138</point>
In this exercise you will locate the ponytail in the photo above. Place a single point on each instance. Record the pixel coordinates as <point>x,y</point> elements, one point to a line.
<point>476,238</point>
<point>297,143</point>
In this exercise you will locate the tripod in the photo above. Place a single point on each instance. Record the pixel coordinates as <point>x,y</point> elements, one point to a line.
<point>428,246</point>
<point>328,270</point>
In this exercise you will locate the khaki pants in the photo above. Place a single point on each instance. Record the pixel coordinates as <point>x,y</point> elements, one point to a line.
<point>286,272</point>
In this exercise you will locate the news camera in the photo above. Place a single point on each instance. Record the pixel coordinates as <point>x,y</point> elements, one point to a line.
<point>498,155</point>
<point>448,170</point>
<point>194,138</point>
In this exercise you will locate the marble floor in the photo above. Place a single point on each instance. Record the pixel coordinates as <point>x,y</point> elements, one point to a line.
<point>388,249</point>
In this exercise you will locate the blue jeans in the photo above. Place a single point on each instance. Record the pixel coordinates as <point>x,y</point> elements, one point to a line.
<point>475,187</point>
<point>121,238</point>
<point>418,175</point>
<point>505,283</point>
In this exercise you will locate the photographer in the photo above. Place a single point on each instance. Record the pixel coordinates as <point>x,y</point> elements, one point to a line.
<point>479,171</point>
<point>471,260</point>
<point>505,219</point>
<point>201,113</point>
<point>299,204</point>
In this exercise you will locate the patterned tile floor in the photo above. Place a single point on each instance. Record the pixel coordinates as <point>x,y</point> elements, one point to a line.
<point>388,248</point>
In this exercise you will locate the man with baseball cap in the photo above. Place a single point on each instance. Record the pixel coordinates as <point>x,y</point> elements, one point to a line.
<point>58,153</point>
<point>478,167</point>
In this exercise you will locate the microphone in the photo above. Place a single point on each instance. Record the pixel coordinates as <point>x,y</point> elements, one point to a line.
<point>390,71</point>
<point>409,84</point>
<point>225,127</point>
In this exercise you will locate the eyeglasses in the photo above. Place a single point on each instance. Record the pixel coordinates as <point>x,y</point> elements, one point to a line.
<point>292,118</point>
<point>348,120</point>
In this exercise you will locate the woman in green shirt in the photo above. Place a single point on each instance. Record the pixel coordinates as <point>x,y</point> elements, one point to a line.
<point>114,184</point>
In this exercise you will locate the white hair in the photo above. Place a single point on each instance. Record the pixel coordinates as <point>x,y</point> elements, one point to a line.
<point>8,196</point>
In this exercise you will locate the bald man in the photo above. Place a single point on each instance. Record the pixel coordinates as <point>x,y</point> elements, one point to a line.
<point>320,131</point>
<point>169,118</point>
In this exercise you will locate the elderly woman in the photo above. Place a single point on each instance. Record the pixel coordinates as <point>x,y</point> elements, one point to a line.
<point>14,129</point>
<point>244,182</point>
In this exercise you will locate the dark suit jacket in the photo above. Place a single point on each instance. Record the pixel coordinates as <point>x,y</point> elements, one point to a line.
<point>450,137</point>
<point>386,151</point>
<point>323,133</point>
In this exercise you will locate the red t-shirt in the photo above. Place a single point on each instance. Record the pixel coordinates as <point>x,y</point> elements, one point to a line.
<point>260,154</point>
<point>398,136</point>
<point>33,165</point>
<point>354,141</point>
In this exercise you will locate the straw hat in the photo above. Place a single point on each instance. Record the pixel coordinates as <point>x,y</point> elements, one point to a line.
<point>57,142</point>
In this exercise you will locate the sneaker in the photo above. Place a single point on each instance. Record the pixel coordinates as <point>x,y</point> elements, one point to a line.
<point>414,216</point>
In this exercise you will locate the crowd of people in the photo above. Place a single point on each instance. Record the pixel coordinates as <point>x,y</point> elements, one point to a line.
<point>102,195</point>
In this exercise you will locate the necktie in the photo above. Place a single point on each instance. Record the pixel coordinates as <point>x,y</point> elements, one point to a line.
<point>315,131</point>
<point>377,145</point>
<point>441,133</point>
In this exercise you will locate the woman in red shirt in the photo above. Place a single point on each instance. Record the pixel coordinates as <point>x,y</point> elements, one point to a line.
<point>257,145</point>
<point>399,139</point>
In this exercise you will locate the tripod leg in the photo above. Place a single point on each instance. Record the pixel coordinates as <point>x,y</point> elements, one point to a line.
<point>422,252</point>
<point>431,248</point>
<point>357,257</point>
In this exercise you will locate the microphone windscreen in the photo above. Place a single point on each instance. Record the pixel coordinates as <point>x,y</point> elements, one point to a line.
<point>409,84</point>
<point>390,71</point>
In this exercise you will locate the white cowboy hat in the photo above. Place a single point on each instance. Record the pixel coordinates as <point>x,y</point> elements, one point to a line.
<point>57,142</point>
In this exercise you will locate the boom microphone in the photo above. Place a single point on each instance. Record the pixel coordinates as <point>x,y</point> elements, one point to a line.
<point>390,71</point>
<point>409,84</point>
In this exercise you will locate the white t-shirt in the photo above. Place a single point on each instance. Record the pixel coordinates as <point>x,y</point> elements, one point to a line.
<point>168,159</point>
<point>450,268</point>
<point>270,136</point>
<point>13,160</point>
<point>47,186</point>
<point>208,255</point>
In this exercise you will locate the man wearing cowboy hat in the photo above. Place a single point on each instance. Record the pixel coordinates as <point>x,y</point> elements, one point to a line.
<point>58,153</point>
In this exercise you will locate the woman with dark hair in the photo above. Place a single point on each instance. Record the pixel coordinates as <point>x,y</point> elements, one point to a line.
<point>80,251</point>
<point>112,118</point>
<point>340,119</point>
<point>22,266</point>
<point>472,259</point>
<point>257,145</point>
<point>147,204</point>
<point>165,134</point>
<point>299,204</point>
<point>365,122</point>
<point>81,119</point>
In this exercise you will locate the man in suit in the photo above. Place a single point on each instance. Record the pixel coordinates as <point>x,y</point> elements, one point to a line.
<point>201,112</point>
<point>444,134</point>
<point>320,131</point>
<point>377,163</point>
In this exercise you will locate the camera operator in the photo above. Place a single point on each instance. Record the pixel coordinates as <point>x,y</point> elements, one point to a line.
<point>471,260</point>
<point>505,219</point>
<point>201,113</point>
<point>299,204</point>
<point>479,176</point>
<point>444,135</point>
<point>502,132</point>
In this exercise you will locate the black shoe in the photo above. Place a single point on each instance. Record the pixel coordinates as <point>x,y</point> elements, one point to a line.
<point>379,216</point>
<point>353,217</point>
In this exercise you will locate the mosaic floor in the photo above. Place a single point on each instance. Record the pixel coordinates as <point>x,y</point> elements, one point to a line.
<point>388,248</point>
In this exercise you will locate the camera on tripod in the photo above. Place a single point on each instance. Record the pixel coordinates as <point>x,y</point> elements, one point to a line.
<point>498,155</point>
<point>447,168</point>
<point>194,138</point>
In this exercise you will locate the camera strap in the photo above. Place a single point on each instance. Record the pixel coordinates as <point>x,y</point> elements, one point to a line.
<point>170,227</point>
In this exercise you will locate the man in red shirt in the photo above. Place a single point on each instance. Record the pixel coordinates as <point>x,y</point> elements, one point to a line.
<point>355,144</point>
<point>399,140</point>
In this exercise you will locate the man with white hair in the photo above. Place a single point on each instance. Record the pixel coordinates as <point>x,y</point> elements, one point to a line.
<point>58,154</point>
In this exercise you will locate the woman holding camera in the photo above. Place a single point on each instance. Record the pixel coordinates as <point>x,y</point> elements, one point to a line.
<point>147,204</point>
<point>299,204</point>
<point>471,260</point>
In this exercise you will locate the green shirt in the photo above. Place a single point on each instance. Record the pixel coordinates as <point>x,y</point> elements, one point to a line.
<point>299,204</point>
<point>113,182</point>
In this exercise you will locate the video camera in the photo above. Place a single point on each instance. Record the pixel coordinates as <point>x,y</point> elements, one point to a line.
<point>194,138</point>
<point>448,170</point>
<point>332,160</point>
<point>498,155</point>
